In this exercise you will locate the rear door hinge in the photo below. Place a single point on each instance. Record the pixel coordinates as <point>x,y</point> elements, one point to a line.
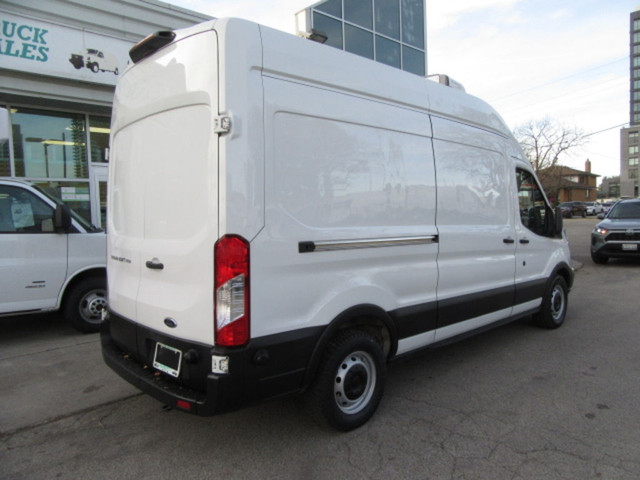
<point>222,124</point>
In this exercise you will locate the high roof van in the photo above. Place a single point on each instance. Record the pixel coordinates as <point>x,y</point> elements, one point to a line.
<point>287,217</point>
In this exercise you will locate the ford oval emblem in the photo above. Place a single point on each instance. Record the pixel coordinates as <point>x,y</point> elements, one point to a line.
<point>170,322</point>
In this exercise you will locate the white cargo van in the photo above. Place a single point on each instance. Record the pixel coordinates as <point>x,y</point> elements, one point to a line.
<point>285,216</point>
<point>50,257</point>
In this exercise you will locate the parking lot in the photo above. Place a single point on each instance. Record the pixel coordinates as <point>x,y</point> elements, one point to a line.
<point>513,403</point>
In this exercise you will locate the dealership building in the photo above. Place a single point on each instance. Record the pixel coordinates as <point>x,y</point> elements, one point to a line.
<point>60,61</point>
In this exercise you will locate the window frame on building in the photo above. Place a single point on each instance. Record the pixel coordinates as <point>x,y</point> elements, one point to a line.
<point>69,179</point>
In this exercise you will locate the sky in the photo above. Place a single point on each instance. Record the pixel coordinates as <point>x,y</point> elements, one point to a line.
<point>529,59</point>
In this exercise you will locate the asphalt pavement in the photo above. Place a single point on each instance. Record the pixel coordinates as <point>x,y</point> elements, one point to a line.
<point>516,403</point>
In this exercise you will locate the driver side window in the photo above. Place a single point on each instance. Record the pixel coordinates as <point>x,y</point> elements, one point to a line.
<point>532,206</point>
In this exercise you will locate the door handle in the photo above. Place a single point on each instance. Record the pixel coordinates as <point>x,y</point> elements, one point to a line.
<point>524,241</point>
<point>508,240</point>
<point>155,264</point>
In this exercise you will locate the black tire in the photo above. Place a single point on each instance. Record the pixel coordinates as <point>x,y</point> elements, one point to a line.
<point>84,304</point>
<point>554,305</point>
<point>584,214</point>
<point>599,259</point>
<point>350,380</point>
<point>94,67</point>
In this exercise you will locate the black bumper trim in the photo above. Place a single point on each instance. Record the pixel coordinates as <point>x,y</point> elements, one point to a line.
<point>269,367</point>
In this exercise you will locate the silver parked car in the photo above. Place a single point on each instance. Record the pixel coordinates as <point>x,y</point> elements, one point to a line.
<point>618,235</point>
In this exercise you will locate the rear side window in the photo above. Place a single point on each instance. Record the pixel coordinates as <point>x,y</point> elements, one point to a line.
<point>23,212</point>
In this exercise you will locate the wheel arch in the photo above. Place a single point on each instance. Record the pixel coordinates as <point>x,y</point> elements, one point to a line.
<point>78,277</point>
<point>565,271</point>
<point>369,318</point>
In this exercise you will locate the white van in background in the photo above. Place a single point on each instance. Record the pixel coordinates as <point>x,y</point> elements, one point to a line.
<point>284,216</point>
<point>50,258</point>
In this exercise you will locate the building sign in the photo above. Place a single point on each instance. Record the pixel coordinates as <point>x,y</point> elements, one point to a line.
<point>31,45</point>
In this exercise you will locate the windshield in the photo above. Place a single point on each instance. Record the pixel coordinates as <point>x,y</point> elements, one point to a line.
<point>88,226</point>
<point>626,210</point>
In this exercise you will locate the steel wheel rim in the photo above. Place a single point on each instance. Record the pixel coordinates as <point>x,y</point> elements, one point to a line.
<point>354,382</point>
<point>92,305</point>
<point>557,303</point>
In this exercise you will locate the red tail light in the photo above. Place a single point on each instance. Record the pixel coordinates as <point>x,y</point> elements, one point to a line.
<point>231,291</point>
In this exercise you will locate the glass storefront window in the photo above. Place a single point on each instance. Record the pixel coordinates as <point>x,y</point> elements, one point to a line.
<point>413,23</point>
<point>49,144</point>
<point>332,7</point>
<point>5,131</point>
<point>388,18</point>
<point>412,60</point>
<point>74,194</point>
<point>395,28</point>
<point>359,12</point>
<point>99,129</point>
<point>358,41</point>
<point>387,51</point>
<point>330,26</point>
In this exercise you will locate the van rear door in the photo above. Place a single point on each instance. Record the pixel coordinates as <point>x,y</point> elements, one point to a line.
<point>164,190</point>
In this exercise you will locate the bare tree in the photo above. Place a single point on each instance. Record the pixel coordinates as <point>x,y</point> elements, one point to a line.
<point>544,141</point>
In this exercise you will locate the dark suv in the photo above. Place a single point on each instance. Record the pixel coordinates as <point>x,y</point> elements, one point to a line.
<point>569,209</point>
<point>618,235</point>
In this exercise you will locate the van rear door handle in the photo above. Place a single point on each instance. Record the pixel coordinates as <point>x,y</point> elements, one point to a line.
<point>155,264</point>
<point>508,240</point>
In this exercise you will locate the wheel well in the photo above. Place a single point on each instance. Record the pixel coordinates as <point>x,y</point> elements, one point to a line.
<point>368,318</point>
<point>565,272</point>
<point>81,277</point>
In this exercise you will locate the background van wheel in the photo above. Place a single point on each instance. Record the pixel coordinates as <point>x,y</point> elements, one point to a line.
<point>554,305</point>
<point>350,380</point>
<point>84,304</point>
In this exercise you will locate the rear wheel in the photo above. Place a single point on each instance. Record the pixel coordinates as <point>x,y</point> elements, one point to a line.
<point>350,381</point>
<point>85,302</point>
<point>554,304</point>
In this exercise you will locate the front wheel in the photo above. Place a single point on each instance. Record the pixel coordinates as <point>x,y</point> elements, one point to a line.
<point>85,302</point>
<point>554,304</point>
<point>599,259</point>
<point>350,380</point>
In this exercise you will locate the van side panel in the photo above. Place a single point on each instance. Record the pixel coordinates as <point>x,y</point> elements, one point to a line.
<point>347,169</point>
<point>241,152</point>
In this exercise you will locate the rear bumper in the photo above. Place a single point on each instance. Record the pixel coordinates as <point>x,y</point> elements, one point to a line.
<point>268,367</point>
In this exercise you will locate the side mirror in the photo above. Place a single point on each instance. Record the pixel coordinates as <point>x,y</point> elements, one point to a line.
<point>62,219</point>
<point>601,215</point>
<point>557,222</point>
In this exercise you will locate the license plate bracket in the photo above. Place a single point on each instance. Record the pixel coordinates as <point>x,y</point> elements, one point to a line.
<point>167,359</point>
<point>629,246</point>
